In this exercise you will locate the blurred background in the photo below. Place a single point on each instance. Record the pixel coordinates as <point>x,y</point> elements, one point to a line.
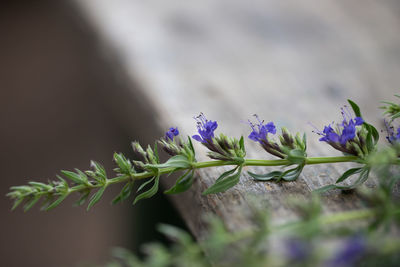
<point>53,116</point>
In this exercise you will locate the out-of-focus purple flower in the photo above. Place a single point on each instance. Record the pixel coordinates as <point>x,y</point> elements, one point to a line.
<point>392,137</point>
<point>297,250</point>
<point>352,251</point>
<point>205,128</point>
<point>261,130</point>
<point>169,135</point>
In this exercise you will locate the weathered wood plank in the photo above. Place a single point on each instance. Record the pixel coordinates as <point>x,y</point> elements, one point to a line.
<point>288,61</point>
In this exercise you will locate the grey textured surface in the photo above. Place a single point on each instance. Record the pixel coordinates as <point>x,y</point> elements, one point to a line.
<point>288,61</point>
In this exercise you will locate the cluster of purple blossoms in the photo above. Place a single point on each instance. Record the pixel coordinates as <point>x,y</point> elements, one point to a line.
<point>260,133</point>
<point>205,129</point>
<point>260,130</point>
<point>221,147</point>
<point>343,138</point>
<point>171,133</point>
<point>344,135</point>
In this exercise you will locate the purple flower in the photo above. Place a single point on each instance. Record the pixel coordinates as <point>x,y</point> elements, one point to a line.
<point>298,250</point>
<point>352,251</point>
<point>169,135</point>
<point>205,128</point>
<point>344,132</point>
<point>261,130</point>
<point>392,137</point>
<point>329,135</point>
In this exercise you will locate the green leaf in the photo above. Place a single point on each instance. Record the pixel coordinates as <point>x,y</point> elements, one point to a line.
<point>178,161</point>
<point>360,180</point>
<point>17,202</point>
<point>395,116</point>
<point>296,156</point>
<point>241,143</point>
<point>325,188</point>
<point>41,186</point>
<point>292,174</point>
<point>73,176</point>
<point>83,198</point>
<point>156,152</point>
<point>57,202</point>
<point>31,203</point>
<point>226,174</point>
<point>191,146</point>
<point>222,185</point>
<point>96,197</point>
<point>149,193</point>
<point>99,170</point>
<point>83,176</point>
<point>348,173</point>
<point>124,164</point>
<point>124,194</point>
<point>355,108</point>
<point>145,183</point>
<point>374,132</point>
<point>267,176</point>
<point>182,184</point>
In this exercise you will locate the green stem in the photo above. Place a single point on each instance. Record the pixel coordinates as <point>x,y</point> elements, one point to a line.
<point>216,163</point>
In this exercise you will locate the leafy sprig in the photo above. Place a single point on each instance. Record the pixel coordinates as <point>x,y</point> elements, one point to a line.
<point>354,137</point>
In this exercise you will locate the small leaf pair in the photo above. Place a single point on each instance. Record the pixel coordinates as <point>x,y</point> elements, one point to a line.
<point>225,181</point>
<point>288,175</point>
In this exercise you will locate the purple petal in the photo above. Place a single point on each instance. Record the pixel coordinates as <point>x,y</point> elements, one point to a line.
<point>197,138</point>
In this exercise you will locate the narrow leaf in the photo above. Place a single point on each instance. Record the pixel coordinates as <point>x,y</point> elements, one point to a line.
<point>395,116</point>
<point>73,176</point>
<point>156,152</point>
<point>83,198</point>
<point>267,176</point>
<point>348,173</point>
<point>191,145</point>
<point>145,183</point>
<point>151,192</point>
<point>178,161</point>
<point>99,170</point>
<point>225,174</point>
<point>224,184</point>
<point>325,188</point>
<point>292,174</point>
<point>355,108</point>
<point>96,197</point>
<point>124,194</point>
<point>182,184</point>
<point>360,180</point>
<point>57,202</point>
<point>31,203</point>
<point>374,132</point>
<point>41,186</point>
<point>241,143</point>
<point>17,202</point>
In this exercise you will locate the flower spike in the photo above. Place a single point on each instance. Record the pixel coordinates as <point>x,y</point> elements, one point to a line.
<point>350,136</point>
<point>205,129</point>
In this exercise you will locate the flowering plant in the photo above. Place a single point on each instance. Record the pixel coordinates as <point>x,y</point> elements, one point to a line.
<point>356,139</point>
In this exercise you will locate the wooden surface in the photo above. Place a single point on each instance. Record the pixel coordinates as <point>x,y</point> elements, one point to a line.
<point>292,62</point>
